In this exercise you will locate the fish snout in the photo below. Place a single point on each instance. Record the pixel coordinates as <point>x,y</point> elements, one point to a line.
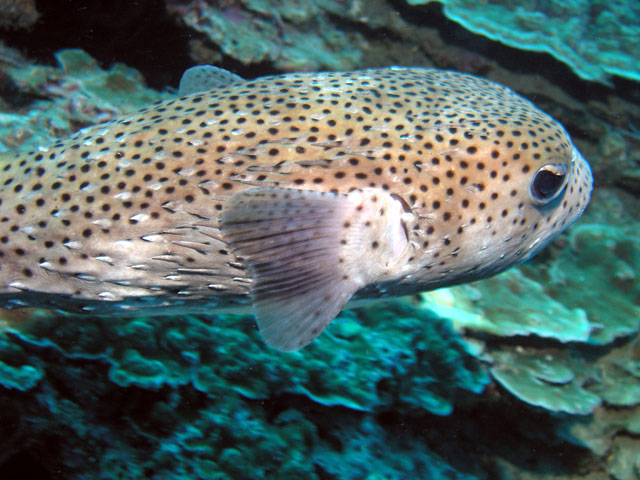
<point>580,185</point>
<point>584,170</point>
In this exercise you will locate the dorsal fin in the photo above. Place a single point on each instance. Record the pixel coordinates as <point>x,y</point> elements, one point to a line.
<point>206,77</point>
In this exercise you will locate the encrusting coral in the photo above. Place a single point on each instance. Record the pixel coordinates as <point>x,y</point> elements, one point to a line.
<point>403,360</point>
<point>292,36</point>
<point>75,94</point>
<point>595,39</point>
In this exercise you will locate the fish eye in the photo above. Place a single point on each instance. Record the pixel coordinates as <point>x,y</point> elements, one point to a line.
<point>548,182</point>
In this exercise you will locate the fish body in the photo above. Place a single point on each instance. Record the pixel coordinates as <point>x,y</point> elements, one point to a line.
<point>288,196</point>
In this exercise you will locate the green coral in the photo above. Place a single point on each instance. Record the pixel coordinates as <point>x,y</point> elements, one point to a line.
<point>596,431</point>
<point>507,305</point>
<point>544,381</point>
<point>594,38</point>
<point>293,36</point>
<point>371,452</point>
<point>17,370</point>
<point>607,259</point>
<point>202,390</point>
<point>618,375</point>
<point>404,355</point>
<point>611,433</point>
<point>24,377</point>
<point>120,88</point>
<point>72,95</point>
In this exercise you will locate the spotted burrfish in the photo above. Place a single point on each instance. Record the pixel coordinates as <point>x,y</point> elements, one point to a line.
<point>287,196</point>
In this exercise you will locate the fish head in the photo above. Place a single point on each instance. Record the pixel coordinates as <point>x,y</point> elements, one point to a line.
<point>500,181</point>
<point>546,187</point>
<point>513,188</point>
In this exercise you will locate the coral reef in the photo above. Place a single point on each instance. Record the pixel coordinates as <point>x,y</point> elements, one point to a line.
<point>611,434</point>
<point>66,98</point>
<point>509,305</point>
<point>595,38</point>
<point>196,391</point>
<point>293,36</point>
<point>606,258</point>
<point>543,380</point>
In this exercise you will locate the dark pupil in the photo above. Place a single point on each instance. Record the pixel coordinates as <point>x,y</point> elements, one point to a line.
<point>546,184</point>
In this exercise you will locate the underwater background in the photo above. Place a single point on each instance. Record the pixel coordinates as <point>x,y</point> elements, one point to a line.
<point>533,374</point>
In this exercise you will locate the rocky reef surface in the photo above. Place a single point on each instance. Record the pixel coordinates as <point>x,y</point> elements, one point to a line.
<point>534,374</point>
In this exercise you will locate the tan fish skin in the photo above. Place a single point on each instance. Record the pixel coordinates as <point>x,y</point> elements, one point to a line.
<point>293,193</point>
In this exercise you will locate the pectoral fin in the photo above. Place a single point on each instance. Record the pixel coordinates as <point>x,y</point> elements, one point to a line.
<point>305,253</point>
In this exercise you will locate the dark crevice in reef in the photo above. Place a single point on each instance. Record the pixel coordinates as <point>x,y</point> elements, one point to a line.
<point>522,435</point>
<point>11,93</point>
<point>517,433</point>
<point>23,465</point>
<point>139,34</point>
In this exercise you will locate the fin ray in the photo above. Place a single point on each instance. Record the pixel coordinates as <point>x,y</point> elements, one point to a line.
<point>306,254</point>
<point>290,240</point>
